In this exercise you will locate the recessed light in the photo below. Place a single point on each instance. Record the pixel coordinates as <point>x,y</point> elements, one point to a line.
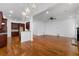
<point>70,16</point>
<point>11,11</point>
<point>3,23</point>
<point>23,13</point>
<point>27,16</point>
<point>4,16</point>
<point>47,12</point>
<point>9,15</point>
<point>33,5</point>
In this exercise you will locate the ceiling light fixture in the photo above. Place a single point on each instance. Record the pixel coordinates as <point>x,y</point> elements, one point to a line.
<point>52,18</point>
<point>27,10</point>
<point>47,12</point>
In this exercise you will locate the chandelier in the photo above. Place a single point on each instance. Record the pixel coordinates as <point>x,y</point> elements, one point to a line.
<point>27,11</point>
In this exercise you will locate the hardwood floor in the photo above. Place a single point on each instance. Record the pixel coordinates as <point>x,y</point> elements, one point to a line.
<point>41,46</point>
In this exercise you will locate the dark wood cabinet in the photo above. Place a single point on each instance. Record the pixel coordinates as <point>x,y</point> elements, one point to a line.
<point>16,28</point>
<point>3,31</point>
<point>1,16</point>
<point>28,25</point>
<point>3,26</point>
<point>3,40</point>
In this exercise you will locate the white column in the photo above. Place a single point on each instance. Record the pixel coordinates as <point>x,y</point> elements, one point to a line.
<point>8,28</point>
<point>31,28</point>
<point>9,39</point>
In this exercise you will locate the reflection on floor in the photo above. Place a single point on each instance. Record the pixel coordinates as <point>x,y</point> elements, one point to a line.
<point>41,46</point>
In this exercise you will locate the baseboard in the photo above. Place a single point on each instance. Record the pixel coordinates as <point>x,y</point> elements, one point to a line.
<point>57,36</point>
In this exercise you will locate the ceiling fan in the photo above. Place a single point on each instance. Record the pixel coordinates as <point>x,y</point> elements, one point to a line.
<point>52,18</point>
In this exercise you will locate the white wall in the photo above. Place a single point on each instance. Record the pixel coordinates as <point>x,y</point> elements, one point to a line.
<point>38,27</point>
<point>64,28</point>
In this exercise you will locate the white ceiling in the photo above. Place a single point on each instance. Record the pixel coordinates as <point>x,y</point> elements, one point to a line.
<point>59,11</point>
<point>18,8</point>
